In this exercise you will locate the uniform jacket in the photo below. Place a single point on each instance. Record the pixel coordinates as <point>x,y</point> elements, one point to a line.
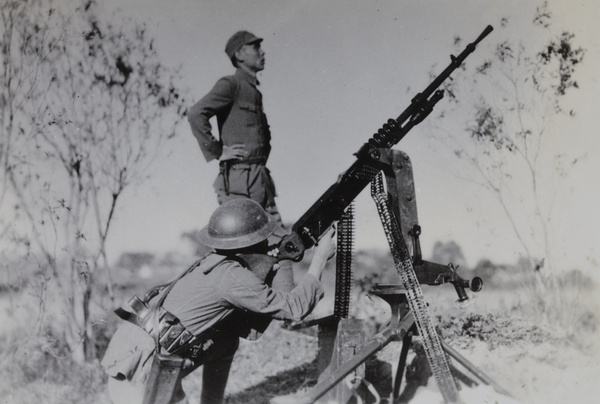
<point>237,104</point>
<point>201,299</point>
<point>205,296</point>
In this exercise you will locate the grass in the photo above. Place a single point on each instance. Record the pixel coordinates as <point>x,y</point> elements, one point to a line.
<point>37,369</point>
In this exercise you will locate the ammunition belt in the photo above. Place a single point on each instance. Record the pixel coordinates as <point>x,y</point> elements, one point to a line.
<point>343,264</point>
<point>402,260</point>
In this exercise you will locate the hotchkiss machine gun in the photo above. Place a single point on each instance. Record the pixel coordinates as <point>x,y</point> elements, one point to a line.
<point>396,206</point>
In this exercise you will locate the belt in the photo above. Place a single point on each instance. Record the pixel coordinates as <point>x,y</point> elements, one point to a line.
<point>164,327</point>
<point>249,160</point>
<point>176,339</point>
<point>172,336</point>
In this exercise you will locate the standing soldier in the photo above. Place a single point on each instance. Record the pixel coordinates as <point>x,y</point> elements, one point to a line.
<point>244,145</point>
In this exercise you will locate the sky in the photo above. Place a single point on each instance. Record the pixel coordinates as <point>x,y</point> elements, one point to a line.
<point>335,72</point>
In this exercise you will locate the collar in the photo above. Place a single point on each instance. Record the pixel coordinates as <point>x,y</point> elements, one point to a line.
<point>211,262</point>
<point>250,78</point>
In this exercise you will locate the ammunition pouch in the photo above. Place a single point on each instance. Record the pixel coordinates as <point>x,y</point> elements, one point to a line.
<point>170,335</point>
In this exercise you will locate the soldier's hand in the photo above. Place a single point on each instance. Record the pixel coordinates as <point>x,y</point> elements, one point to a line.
<point>324,251</point>
<point>327,246</point>
<point>235,151</point>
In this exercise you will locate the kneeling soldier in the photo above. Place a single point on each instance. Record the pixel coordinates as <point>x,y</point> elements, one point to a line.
<point>197,319</point>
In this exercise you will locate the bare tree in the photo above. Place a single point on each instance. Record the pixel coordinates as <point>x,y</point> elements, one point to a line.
<point>515,99</point>
<point>86,107</point>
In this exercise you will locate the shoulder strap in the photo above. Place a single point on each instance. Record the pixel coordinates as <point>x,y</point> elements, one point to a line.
<point>196,264</point>
<point>142,304</point>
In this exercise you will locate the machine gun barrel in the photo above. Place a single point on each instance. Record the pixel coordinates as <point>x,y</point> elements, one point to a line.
<point>455,63</point>
<point>332,204</point>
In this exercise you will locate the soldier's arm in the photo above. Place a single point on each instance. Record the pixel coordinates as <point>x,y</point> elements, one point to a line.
<point>324,251</point>
<point>242,289</point>
<point>246,291</point>
<point>218,99</point>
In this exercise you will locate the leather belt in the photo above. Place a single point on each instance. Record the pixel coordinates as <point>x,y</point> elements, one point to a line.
<point>249,160</point>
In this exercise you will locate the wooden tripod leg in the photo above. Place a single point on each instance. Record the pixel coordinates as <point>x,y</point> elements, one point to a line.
<point>377,343</point>
<point>473,369</point>
<point>406,342</point>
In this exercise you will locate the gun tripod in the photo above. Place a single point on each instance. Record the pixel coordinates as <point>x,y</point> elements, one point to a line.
<point>408,312</point>
<point>400,327</point>
<point>398,214</point>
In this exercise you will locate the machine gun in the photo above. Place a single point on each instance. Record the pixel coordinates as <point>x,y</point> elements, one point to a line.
<point>397,210</point>
<point>332,204</point>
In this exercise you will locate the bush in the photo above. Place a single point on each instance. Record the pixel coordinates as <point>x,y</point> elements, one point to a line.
<point>494,329</point>
<point>40,369</point>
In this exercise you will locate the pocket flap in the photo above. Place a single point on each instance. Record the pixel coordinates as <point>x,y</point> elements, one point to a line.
<point>247,106</point>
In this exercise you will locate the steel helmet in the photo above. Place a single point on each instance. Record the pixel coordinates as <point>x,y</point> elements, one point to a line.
<point>236,224</point>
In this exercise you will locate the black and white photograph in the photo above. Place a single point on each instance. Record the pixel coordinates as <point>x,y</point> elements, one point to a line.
<point>298,202</point>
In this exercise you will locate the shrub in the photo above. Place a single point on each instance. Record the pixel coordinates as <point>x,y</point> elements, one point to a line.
<point>39,368</point>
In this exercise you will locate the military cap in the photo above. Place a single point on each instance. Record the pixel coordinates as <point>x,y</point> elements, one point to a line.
<point>238,40</point>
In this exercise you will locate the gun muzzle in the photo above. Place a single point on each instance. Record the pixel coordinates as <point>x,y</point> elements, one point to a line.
<point>476,284</point>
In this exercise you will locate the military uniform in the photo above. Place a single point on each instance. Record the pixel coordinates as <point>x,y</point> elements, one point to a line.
<point>204,300</point>
<point>237,103</point>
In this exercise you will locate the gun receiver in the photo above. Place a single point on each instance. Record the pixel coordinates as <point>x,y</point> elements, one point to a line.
<point>331,205</point>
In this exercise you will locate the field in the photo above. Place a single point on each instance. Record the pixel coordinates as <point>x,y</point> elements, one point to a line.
<point>537,341</point>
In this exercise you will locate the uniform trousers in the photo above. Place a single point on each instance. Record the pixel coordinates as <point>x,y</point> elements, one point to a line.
<point>254,181</point>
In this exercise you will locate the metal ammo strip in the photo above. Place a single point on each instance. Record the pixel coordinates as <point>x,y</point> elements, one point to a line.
<point>402,260</point>
<point>343,270</point>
